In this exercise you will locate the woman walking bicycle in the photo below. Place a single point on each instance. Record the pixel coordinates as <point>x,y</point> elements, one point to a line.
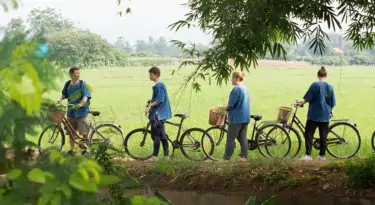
<point>238,117</point>
<point>321,99</point>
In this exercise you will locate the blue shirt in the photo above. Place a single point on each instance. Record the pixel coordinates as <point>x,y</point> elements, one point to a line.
<point>163,109</point>
<point>239,105</point>
<point>74,93</point>
<point>321,100</point>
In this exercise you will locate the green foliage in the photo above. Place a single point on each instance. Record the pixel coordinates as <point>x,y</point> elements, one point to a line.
<point>67,181</point>
<point>246,31</point>
<point>361,174</point>
<point>24,81</point>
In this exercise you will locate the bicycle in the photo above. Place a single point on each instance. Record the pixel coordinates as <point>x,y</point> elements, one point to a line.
<point>57,116</point>
<point>336,140</point>
<point>178,143</point>
<point>258,136</point>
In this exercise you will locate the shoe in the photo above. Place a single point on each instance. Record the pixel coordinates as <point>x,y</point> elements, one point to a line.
<point>241,159</point>
<point>306,158</point>
<point>71,152</point>
<point>321,158</point>
<point>85,152</point>
<point>153,159</point>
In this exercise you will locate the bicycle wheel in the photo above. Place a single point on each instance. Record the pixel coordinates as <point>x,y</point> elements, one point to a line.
<point>373,141</point>
<point>217,134</point>
<point>104,132</point>
<point>334,139</point>
<point>191,147</point>
<point>142,146</point>
<point>53,135</point>
<point>295,139</point>
<point>270,142</point>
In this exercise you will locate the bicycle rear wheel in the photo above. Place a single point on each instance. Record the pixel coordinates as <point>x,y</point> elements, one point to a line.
<point>111,133</point>
<point>141,144</point>
<point>53,135</point>
<point>277,141</point>
<point>191,146</point>
<point>334,139</point>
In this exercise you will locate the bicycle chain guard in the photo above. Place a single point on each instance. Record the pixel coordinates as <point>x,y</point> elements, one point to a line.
<point>252,144</point>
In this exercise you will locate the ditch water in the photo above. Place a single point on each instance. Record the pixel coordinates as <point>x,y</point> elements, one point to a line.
<point>196,198</point>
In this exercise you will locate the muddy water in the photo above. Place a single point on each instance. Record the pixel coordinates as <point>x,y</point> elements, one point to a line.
<point>195,198</point>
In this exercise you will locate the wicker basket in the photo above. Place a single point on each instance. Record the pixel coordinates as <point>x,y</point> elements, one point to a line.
<point>284,115</point>
<point>56,116</point>
<point>217,116</point>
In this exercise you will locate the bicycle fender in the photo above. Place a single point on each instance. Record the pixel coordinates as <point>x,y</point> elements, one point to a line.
<point>108,122</point>
<point>342,121</point>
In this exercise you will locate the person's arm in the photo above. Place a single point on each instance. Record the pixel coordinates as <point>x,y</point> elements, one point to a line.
<point>86,95</point>
<point>233,98</point>
<point>64,94</point>
<point>309,96</point>
<point>159,96</point>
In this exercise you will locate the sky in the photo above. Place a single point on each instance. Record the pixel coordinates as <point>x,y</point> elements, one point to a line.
<point>148,18</point>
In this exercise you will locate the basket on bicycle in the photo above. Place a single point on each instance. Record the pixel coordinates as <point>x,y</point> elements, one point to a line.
<point>284,114</point>
<point>56,115</point>
<point>217,116</point>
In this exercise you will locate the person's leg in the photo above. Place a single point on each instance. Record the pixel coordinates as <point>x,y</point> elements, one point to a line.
<point>83,129</point>
<point>309,136</point>
<point>233,130</point>
<point>242,138</point>
<point>73,122</point>
<point>323,133</point>
<point>155,133</point>
<point>163,139</point>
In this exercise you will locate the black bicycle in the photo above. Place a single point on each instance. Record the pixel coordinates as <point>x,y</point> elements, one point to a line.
<point>188,144</point>
<point>261,136</point>
<point>333,138</point>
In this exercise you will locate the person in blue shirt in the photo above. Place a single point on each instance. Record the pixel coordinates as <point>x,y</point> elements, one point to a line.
<point>238,117</point>
<point>77,93</point>
<point>158,111</point>
<point>321,99</point>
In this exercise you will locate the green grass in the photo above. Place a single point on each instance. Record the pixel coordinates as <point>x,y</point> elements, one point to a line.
<point>121,93</point>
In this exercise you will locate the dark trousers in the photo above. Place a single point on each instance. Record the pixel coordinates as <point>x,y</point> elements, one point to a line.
<point>309,136</point>
<point>240,131</point>
<point>158,134</point>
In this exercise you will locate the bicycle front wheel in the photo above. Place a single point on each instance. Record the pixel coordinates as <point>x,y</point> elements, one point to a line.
<point>277,141</point>
<point>138,144</point>
<point>52,137</point>
<point>217,134</point>
<point>191,146</point>
<point>340,134</point>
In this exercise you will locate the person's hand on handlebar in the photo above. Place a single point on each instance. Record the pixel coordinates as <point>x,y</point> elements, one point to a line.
<point>300,103</point>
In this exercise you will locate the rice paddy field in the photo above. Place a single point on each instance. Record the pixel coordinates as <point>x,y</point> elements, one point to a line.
<point>120,94</point>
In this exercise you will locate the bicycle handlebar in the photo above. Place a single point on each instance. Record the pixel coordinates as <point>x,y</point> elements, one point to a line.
<point>295,105</point>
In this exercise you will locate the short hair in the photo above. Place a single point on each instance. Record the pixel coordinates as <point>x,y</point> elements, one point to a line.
<point>73,69</point>
<point>322,72</point>
<point>155,70</point>
<point>239,75</point>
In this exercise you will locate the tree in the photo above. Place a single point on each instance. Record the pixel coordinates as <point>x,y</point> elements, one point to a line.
<point>45,21</point>
<point>246,31</point>
<point>15,26</point>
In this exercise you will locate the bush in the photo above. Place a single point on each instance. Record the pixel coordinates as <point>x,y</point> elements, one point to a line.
<point>361,174</point>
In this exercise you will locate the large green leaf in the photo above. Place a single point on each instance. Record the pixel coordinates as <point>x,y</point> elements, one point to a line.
<point>108,180</point>
<point>36,175</point>
<point>77,182</point>
<point>14,174</point>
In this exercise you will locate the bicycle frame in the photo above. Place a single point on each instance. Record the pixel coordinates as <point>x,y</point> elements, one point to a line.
<point>253,133</point>
<point>295,120</point>
<point>175,143</point>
